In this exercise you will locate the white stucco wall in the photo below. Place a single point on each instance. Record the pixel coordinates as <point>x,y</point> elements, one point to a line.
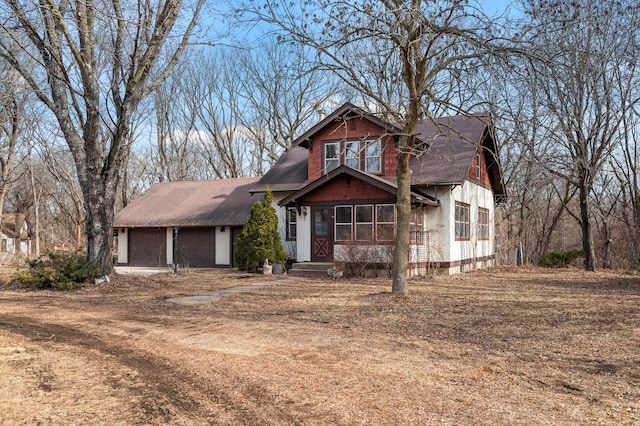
<point>301,248</point>
<point>169,239</point>
<point>223,246</point>
<point>476,196</point>
<point>123,245</point>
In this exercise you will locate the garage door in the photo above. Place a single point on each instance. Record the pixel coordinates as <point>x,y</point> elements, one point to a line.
<point>148,247</point>
<point>196,247</point>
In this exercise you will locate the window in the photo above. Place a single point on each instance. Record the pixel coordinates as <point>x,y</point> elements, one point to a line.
<point>343,223</point>
<point>292,222</point>
<point>352,155</point>
<point>385,222</point>
<point>462,221</point>
<point>331,156</point>
<point>364,223</point>
<point>372,160</point>
<point>483,223</point>
<point>417,226</point>
<point>478,166</point>
<point>356,154</point>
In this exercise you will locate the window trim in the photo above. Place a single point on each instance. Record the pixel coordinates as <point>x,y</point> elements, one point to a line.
<point>362,154</point>
<point>336,223</point>
<point>289,237</point>
<point>356,223</point>
<point>338,158</point>
<point>367,156</point>
<point>377,222</point>
<point>483,226</point>
<point>462,225</point>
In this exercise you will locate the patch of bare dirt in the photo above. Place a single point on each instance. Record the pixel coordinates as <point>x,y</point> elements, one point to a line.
<point>504,346</point>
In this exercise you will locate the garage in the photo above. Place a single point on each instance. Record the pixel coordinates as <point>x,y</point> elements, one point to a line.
<point>195,247</point>
<point>147,247</point>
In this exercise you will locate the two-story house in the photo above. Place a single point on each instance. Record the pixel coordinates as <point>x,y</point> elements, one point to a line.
<point>335,191</point>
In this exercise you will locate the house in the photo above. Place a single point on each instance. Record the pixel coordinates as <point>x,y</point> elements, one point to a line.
<point>14,235</point>
<point>193,224</point>
<point>335,189</point>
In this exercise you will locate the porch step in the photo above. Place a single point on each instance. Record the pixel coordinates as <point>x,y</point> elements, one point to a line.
<point>318,269</point>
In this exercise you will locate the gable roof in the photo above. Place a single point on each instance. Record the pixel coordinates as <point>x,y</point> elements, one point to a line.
<point>224,202</point>
<point>450,144</point>
<point>348,110</point>
<point>453,143</point>
<point>377,181</point>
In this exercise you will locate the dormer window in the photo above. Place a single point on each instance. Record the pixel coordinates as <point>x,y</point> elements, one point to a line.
<point>357,154</point>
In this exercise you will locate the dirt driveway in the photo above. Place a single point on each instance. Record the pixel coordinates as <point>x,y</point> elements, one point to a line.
<point>495,347</point>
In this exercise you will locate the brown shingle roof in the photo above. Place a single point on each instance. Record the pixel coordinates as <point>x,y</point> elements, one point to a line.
<point>450,144</point>
<point>453,143</point>
<point>225,202</point>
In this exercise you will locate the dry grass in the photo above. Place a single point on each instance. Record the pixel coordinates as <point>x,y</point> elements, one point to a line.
<point>519,346</point>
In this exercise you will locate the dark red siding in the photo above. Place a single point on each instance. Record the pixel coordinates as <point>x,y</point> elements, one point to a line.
<point>354,128</point>
<point>484,173</point>
<point>347,188</point>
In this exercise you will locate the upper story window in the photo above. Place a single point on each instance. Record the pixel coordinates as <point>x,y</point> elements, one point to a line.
<point>478,166</point>
<point>357,154</point>
<point>352,154</point>
<point>373,163</point>
<point>331,156</point>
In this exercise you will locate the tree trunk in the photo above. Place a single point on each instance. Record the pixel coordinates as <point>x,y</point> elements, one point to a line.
<point>587,234</point>
<point>403,212</point>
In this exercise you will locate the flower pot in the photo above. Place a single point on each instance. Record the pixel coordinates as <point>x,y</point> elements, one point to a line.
<point>267,269</point>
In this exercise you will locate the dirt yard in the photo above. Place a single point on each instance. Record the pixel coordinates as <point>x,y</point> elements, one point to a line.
<point>526,346</point>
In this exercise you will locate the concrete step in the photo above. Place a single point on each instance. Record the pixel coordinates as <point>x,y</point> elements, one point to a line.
<point>310,268</point>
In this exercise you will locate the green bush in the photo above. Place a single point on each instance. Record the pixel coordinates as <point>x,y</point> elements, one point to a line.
<point>65,271</point>
<point>259,238</point>
<point>560,258</point>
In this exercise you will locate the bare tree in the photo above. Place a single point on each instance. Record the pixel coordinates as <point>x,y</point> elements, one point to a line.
<point>402,56</point>
<point>587,84</point>
<point>91,64</point>
<point>13,122</point>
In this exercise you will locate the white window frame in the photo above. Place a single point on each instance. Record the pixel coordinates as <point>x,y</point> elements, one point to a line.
<point>334,160</point>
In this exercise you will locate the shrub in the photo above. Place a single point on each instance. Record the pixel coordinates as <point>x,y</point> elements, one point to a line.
<point>259,238</point>
<point>560,258</point>
<point>65,271</point>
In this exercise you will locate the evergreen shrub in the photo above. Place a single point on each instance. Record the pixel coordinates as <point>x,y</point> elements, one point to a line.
<point>64,271</point>
<point>259,239</point>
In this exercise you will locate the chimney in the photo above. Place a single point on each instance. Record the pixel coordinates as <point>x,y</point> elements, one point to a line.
<point>321,114</point>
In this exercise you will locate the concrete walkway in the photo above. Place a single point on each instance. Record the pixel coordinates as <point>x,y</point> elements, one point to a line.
<point>215,295</point>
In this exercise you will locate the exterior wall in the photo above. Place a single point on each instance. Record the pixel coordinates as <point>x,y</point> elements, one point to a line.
<point>123,245</point>
<point>473,253</point>
<point>169,245</point>
<point>303,240</point>
<point>354,128</point>
<point>223,246</point>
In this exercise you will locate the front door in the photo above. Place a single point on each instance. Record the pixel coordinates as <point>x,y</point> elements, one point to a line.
<point>322,234</point>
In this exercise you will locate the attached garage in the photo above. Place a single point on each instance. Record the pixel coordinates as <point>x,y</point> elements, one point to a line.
<point>186,223</point>
<point>195,247</point>
<point>147,247</point>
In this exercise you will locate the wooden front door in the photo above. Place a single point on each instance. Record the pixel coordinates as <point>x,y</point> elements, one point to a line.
<point>322,234</point>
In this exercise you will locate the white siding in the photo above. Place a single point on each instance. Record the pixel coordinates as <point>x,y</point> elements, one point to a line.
<point>123,245</point>
<point>223,246</point>
<point>169,240</point>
